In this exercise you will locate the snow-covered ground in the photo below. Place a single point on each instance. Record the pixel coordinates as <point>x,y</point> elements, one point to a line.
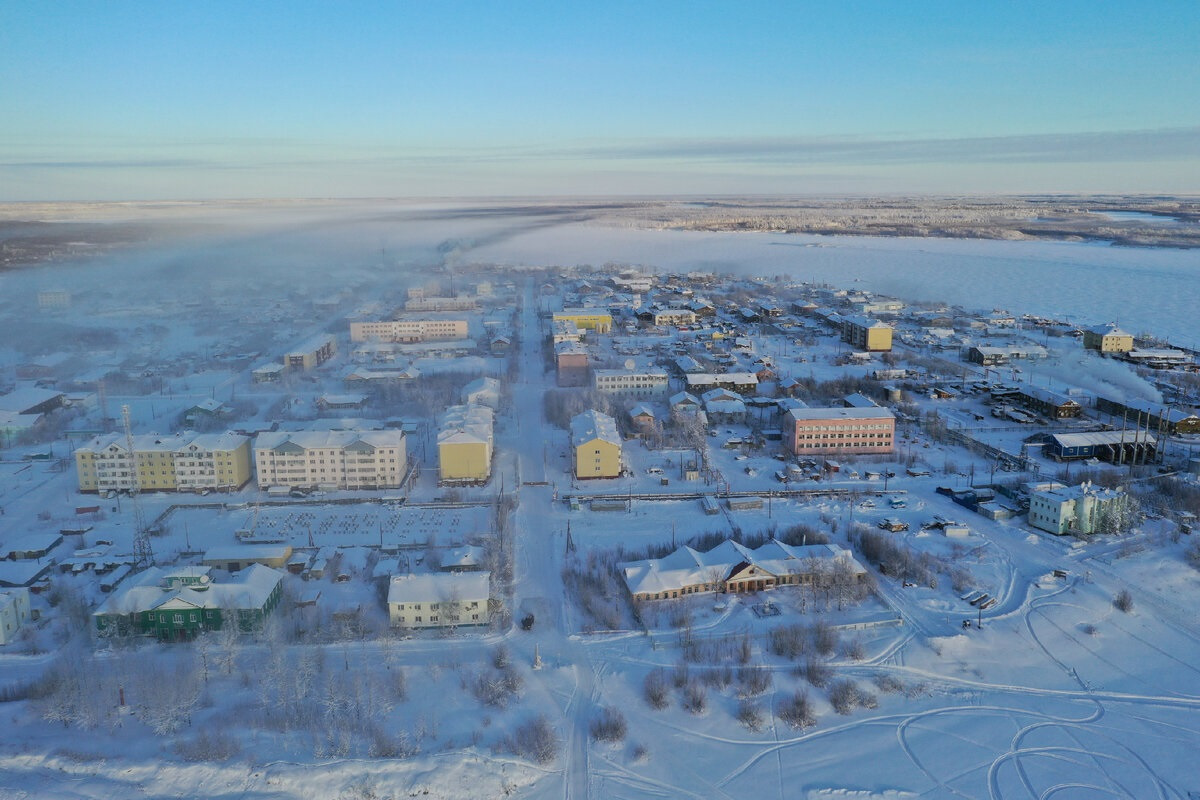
<point>1058,694</point>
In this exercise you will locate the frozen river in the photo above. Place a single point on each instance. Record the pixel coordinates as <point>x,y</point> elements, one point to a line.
<point>1144,290</point>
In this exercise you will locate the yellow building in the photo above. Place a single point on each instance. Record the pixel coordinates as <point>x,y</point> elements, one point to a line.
<point>465,444</point>
<point>180,462</point>
<point>1108,339</point>
<point>597,445</point>
<point>590,319</point>
<point>867,334</point>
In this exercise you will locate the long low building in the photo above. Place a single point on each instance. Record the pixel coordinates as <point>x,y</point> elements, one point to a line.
<point>733,568</point>
<point>1132,446</point>
<point>341,459</point>
<point>627,383</point>
<point>741,382</point>
<point>840,431</point>
<point>181,603</point>
<point>179,462</point>
<point>598,320</point>
<point>1151,416</point>
<point>408,330</point>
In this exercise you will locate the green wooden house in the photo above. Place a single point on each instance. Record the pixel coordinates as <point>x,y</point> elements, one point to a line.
<point>180,604</point>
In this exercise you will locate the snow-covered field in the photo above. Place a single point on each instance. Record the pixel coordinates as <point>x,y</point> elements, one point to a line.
<point>1057,695</point>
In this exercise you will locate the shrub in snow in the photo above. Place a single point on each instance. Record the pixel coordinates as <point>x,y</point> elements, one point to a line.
<point>816,672</point>
<point>535,740</point>
<point>608,725</point>
<point>656,690</point>
<point>695,697</point>
<point>845,696</point>
<point>796,711</point>
<point>1123,601</point>
<point>753,681</point>
<point>749,713</point>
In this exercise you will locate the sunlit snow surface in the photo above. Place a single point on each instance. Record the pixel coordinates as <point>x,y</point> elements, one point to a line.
<point>1059,696</point>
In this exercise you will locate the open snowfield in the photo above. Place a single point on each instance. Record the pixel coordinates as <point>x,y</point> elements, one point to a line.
<point>1058,695</point>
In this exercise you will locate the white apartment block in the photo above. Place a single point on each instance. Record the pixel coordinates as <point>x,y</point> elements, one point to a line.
<point>408,330</point>
<point>341,459</point>
<point>624,383</point>
<point>439,600</point>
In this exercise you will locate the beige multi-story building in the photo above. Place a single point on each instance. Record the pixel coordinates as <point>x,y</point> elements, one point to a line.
<point>1108,339</point>
<point>184,462</point>
<point>840,431</point>
<point>341,459</point>
<point>312,353</point>
<point>465,444</point>
<point>626,383</point>
<point>597,445</point>
<point>409,330</point>
<point>867,334</point>
<point>589,319</point>
<point>440,600</point>
<point>673,316</point>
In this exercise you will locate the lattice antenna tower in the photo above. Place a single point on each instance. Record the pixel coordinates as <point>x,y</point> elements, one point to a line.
<point>142,550</point>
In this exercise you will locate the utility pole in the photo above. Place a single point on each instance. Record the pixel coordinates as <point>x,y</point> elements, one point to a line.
<point>143,552</point>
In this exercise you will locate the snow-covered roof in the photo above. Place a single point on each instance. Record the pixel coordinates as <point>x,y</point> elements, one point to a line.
<point>247,589</point>
<point>848,414</point>
<point>1108,329</point>
<point>592,425</point>
<point>333,439</point>
<point>683,398</point>
<point>439,587</point>
<point>1093,438</point>
<point>485,391</point>
<point>24,398</point>
<point>467,557</point>
<point>689,567</point>
<point>466,423</point>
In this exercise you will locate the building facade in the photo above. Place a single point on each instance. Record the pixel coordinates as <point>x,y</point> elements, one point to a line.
<point>625,383</point>
<point>465,443</point>
<point>1107,339</point>
<point>184,462</point>
<point>406,331</point>
<point>340,459</point>
<point>596,445</point>
<point>442,600</point>
<point>180,604</point>
<point>589,319</point>
<point>1073,509</point>
<point>312,353</point>
<point>840,431</point>
<point>14,612</point>
<point>864,333</point>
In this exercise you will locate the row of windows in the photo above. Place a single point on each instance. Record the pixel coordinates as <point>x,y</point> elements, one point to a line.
<point>844,436</point>
<point>820,445</point>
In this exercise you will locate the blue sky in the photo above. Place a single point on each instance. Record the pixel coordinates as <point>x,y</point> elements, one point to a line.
<point>159,100</point>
